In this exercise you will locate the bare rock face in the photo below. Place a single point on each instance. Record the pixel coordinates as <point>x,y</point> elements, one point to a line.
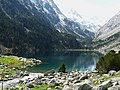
<point>108,36</point>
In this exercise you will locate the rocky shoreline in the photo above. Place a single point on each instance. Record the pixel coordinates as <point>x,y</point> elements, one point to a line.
<point>12,77</point>
<point>68,81</point>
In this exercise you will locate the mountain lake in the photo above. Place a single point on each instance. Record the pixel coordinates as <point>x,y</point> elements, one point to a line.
<point>73,60</point>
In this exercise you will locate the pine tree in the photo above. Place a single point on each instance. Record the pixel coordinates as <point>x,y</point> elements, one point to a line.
<point>62,68</point>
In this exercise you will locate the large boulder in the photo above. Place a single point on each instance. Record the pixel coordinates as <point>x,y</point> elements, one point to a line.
<point>84,77</point>
<point>27,88</point>
<point>82,86</point>
<point>68,81</point>
<point>48,89</point>
<point>38,82</point>
<point>114,88</point>
<point>58,88</point>
<point>30,85</point>
<point>21,82</point>
<point>66,87</point>
<point>116,80</point>
<point>104,86</point>
<point>49,73</point>
<point>112,73</point>
<point>52,82</point>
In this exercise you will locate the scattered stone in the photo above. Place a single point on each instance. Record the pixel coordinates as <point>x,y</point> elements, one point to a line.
<point>82,86</point>
<point>21,82</point>
<point>105,85</point>
<point>66,87</point>
<point>76,81</point>
<point>21,88</point>
<point>114,88</point>
<point>57,88</point>
<point>27,88</point>
<point>72,81</point>
<point>49,73</point>
<point>52,83</point>
<point>49,89</point>
<point>30,85</point>
<point>38,82</point>
<point>84,77</point>
<point>112,73</point>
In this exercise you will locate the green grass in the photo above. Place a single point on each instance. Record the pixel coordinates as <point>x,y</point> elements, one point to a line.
<point>41,87</point>
<point>6,71</point>
<point>45,87</point>
<point>96,80</point>
<point>9,62</point>
<point>13,61</point>
<point>117,74</point>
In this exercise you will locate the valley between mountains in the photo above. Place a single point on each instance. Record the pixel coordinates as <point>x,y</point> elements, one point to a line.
<point>33,26</point>
<point>42,48</point>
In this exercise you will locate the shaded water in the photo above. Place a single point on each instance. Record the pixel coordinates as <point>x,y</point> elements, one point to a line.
<point>74,61</point>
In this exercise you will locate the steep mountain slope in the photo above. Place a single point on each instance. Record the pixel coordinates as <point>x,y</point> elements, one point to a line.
<point>108,36</point>
<point>110,28</point>
<point>25,28</point>
<point>89,23</point>
<point>59,20</point>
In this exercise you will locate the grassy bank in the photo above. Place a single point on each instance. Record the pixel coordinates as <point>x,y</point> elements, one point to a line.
<point>11,66</point>
<point>14,61</point>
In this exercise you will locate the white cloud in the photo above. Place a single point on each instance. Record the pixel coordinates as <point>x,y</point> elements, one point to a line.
<point>104,9</point>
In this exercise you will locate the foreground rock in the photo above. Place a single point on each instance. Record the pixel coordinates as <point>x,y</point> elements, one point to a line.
<point>71,81</point>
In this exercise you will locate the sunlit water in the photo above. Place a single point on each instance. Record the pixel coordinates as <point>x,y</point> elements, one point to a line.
<point>74,61</point>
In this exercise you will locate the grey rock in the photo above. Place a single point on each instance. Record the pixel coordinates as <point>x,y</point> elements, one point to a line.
<point>27,88</point>
<point>83,77</point>
<point>104,86</point>
<point>50,77</point>
<point>49,73</point>
<point>76,81</point>
<point>112,73</point>
<point>21,82</point>
<point>52,83</point>
<point>82,86</point>
<point>66,82</point>
<point>49,89</point>
<point>66,87</point>
<point>114,88</point>
<point>57,88</point>
<point>115,83</point>
<point>38,82</point>
<point>69,80</point>
<point>97,88</point>
<point>30,85</point>
<point>21,88</point>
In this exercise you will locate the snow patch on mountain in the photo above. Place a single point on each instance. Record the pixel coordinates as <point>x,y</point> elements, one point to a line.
<point>86,22</point>
<point>47,8</point>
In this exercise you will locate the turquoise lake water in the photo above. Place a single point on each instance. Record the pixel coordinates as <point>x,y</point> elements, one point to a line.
<point>74,61</point>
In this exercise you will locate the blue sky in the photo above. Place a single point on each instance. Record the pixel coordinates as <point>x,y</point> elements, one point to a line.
<point>103,9</point>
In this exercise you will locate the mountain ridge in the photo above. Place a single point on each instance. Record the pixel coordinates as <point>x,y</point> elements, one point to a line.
<point>25,30</point>
<point>108,36</point>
